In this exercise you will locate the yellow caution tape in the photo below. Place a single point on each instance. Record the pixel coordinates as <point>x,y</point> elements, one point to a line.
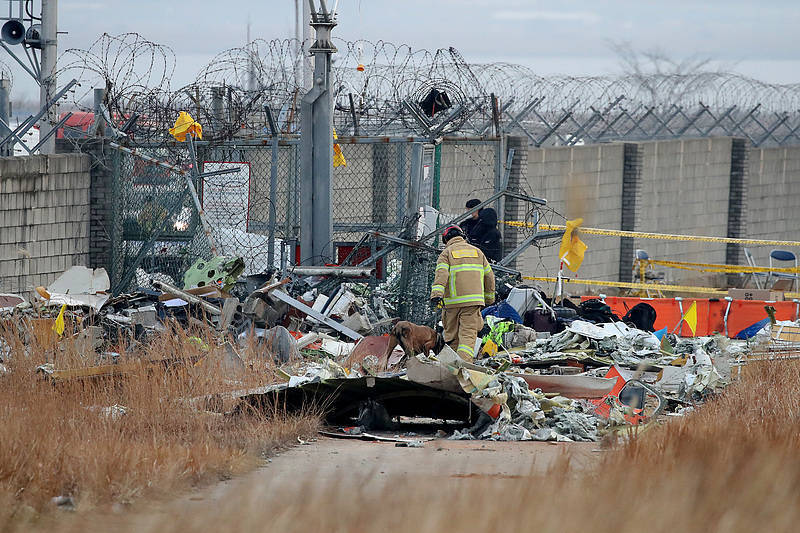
<point>657,236</point>
<point>646,286</point>
<point>711,267</point>
<point>628,285</point>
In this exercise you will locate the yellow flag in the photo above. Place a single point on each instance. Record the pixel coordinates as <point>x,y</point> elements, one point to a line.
<point>184,125</point>
<point>572,247</point>
<point>691,317</point>
<point>338,156</point>
<point>58,325</point>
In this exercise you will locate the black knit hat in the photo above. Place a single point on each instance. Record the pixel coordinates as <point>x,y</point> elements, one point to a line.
<point>472,203</point>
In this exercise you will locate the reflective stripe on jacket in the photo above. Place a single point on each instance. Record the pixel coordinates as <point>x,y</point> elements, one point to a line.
<point>463,276</point>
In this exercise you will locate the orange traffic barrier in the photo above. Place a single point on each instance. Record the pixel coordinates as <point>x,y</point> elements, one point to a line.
<point>711,313</point>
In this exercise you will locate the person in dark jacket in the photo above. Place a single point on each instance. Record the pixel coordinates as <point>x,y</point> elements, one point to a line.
<point>469,224</point>
<point>485,234</point>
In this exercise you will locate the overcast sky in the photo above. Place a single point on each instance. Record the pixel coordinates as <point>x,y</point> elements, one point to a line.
<point>758,39</point>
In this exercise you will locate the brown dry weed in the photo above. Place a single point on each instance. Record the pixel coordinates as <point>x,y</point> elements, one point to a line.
<point>732,466</point>
<point>63,440</point>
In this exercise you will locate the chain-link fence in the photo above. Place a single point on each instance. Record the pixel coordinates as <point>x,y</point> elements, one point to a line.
<point>468,169</point>
<point>254,211</point>
<point>154,226</point>
<point>375,207</point>
<point>371,192</point>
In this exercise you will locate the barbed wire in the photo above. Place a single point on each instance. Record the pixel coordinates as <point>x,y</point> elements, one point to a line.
<point>129,67</point>
<point>230,92</point>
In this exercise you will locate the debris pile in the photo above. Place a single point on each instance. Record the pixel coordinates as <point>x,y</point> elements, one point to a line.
<point>542,372</point>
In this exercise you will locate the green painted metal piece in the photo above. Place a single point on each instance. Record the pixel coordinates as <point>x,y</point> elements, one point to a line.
<point>221,271</point>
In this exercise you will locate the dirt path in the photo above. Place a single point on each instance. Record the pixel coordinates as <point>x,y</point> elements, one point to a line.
<point>373,464</point>
<point>356,467</point>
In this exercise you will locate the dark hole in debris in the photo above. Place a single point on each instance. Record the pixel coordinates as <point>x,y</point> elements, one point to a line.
<point>211,273</point>
<point>201,284</point>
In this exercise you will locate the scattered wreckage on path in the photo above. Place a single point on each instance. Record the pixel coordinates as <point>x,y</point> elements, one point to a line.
<point>544,373</point>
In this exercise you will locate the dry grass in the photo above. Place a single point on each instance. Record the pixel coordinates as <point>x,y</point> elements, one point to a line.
<point>732,466</point>
<point>57,440</point>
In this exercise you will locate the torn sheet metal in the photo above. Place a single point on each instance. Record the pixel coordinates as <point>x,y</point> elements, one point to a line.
<point>337,349</point>
<point>370,345</point>
<point>300,306</point>
<point>569,386</point>
<point>515,412</point>
<point>423,370</point>
<point>575,425</point>
<point>78,286</point>
<point>599,331</point>
<point>9,301</point>
<point>276,343</point>
<point>80,280</point>
<point>687,381</point>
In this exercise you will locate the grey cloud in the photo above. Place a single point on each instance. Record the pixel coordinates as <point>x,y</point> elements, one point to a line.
<point>575,31</point>
<point>549,16</point>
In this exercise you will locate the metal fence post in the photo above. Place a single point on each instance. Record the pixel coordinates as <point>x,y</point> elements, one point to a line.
<point>437,176</point>
<point>273,194</point>
<point>380,183</point>
<point>273,187</point>
<point>517,174</point>
<point>99,126</point>
<point>317,148</point>
<point>291,194</point>
<point>412,205</point>
<point>217,111</point>
<point>5,115</point>
<point>117,208</point>
<point>499,177</point>
<point>412,208</point>
<point>400,200</point>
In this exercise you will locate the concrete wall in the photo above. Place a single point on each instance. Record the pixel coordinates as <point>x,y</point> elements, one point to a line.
<point>715,187</point>
<point>685,190</point>
<point>467,171</point>
<point>579,181</point>
<point>44,218</point>
<point>773,198</point>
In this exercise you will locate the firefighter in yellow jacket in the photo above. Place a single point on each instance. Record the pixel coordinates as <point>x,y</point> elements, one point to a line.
<point>464,283</point>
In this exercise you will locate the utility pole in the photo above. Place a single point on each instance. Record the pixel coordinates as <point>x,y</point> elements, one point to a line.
<point>316,147</point>
<point>21,27</point>
<point>306,45</point>
<point>251,76</point>
<point>299,54</point>
<point>47,75</point>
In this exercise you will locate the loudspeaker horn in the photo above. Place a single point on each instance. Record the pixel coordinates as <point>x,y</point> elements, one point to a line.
<point>13,32</point>
<point>33,37</point>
